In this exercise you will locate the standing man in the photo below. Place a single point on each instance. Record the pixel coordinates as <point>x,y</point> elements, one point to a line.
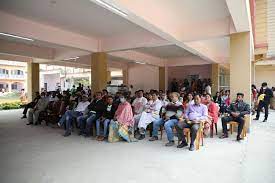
<point>264,97</point>
<point>236,111</point>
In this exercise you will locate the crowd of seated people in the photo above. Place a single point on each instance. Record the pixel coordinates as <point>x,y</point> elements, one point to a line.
<point>118,117</point>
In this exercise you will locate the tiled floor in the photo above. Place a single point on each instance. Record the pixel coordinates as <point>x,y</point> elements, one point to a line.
<point>41,155</point>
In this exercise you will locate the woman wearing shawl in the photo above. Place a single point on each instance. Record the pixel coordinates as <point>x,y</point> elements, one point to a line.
<point>123,122</point>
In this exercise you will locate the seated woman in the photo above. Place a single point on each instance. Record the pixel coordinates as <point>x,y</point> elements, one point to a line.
<point>213,113</point>
<point>150,114</point>
<point>122,124</point>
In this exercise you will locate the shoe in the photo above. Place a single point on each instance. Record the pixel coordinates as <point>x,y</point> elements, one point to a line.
<point>58,124</point>
<point>182,144</point>
<point>170,143</point>
<point>223,136</point>
<point>239,138</point>
<point>265,120</point>
<point>23,117</point>
<point>67,134</point>
<point>153,138</point>
<point>192,147</point>
<point>101,138</point>
<point>29,124</point>
<point>141,137</point>
<point>256,119</point>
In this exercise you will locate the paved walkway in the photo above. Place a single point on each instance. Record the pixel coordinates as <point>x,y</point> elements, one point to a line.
<point>39,154</point>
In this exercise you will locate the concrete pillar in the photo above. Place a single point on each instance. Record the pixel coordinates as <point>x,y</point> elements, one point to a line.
<point>109,78</point>
<point>215,73</point>
<point>125,76</point>
<point>32,80</point>
<point>253,73</point>
<point>99,71</point>
<point>162,78</point>
<point>9,86</point>
<point>240,65</point>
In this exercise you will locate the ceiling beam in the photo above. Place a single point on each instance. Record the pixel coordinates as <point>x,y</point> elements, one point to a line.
<point>26,28</point>
<point>21,49</point>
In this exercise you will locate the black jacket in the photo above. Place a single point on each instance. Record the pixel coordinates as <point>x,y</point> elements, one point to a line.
<point>97,106</point>
<point>240,106</point>
<point>268,94</point>
<point>109,114</point>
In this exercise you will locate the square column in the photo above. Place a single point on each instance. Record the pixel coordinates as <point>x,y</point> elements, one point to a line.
<point>32,80</point>
<point>125,77</point>
<point>162,78</point>
<point>99,71</point>
<point>240,65</point>
<point>215,73</point>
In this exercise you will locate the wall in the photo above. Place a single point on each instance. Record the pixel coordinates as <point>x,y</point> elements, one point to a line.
<point>265,74</point>
<point>144,77</point>
<point>181,72</point>
<point>51,80</point>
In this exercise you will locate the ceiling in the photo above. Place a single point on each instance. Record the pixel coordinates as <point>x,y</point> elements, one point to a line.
<point>168,51</point>
<point>81,16</point>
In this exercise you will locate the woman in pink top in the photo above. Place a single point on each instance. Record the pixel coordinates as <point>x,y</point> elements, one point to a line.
<point>213,114</point>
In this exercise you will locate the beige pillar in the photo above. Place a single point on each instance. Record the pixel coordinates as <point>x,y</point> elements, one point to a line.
<point>253,73</point>
<point>125,76</point>
<point>162,78</point>
<point>109,78</point>
<point>99,71</point>
<point>240,65</point>
<point>9,87</point>
<point>215,73</point>
<point>32,80</point>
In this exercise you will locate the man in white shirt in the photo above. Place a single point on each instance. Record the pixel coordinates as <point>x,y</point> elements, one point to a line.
<point>150,114</point>
<point>138,106</point>
<point>78,111</point>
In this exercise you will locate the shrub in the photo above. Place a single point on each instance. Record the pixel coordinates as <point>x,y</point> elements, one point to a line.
<point>11,105</point>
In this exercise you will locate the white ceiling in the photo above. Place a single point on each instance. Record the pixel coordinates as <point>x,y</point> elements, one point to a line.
<point>168,51</point>
<point>80,16</point>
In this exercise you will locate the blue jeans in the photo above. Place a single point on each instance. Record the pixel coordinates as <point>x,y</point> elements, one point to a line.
<point>169,128</point>
<point>105,129</point>
<point>89,124</point>
<point>62,120</point>
<point>156,125</point>
<point>69,116</point>
<point>81,122</point>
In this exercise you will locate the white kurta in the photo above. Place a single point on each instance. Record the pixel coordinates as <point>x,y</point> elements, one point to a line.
<point>150,114</point>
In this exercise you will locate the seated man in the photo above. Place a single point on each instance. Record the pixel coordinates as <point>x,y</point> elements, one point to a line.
<point>95,110</point>
<point>138,106</point>
<point>174,112</point>
<point>236,112</point>
<point>149,115</point>
<point>30,105</point>
<point>75,113</point>
<point>107,116</point>
<point>194,114</point>
<point>33,113</point>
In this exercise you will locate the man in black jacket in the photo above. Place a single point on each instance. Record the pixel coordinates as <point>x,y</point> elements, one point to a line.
<point>96,109</point>
<point>105,119</point>
<point>268,94</point>
<point>236,112</point>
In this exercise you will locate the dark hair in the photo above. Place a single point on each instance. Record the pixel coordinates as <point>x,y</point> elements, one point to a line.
<point>99,93</point>
<point>264,84</point>
<point>208,94</point>
<point>109,97</point>
<point>197,94</point>
<point>155,92</point>
<point>241,94</point>
<point>104,90</point>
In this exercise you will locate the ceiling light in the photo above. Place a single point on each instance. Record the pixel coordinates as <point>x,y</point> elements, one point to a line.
<point>15,36</point>
<point>140,63</point>
<point>111,7</point>
<point>71,58</point>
